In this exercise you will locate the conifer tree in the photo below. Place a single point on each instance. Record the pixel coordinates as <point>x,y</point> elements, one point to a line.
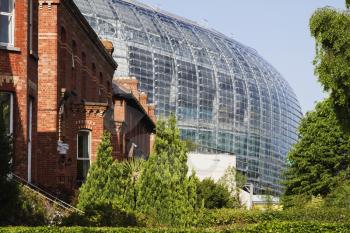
<point>103,184</point>
<point>166,192</point>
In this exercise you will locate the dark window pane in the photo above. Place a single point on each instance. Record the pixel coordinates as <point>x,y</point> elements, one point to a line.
<point>5,110</point>
<point>83,144</point>
<point>82,169</point>
<point>6,6</point>
<point>4,29</point>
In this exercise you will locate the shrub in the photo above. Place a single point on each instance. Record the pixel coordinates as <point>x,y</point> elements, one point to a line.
<point>340,196</point>
<point>220,217</point>
<point>275,227</point>
<point>213,195</point>
<point>103,214</point>
<point>166,193</point>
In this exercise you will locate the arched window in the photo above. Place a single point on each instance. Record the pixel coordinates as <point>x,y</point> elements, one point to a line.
<point>74,70</point>
<point>83,154</point>
<point>74,47</point>
<point>100,91</point>
<point>93,67</point>
<point>63,58</point>
<point>63,35</point>
<point>83,58</point>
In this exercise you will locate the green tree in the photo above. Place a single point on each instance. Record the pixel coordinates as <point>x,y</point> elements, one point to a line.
<point>330,28</point>
<point>103,183</point>
<point>166,192</point>
<point>321,157</point>
<point>340,196</point>
<point>233,180</point>
<point>105,197</point>
<point>132,170</point>
<point>214,195</point>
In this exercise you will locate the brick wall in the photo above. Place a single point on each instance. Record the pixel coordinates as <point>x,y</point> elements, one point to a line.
<point>75,75</point>
<point>18,75</point>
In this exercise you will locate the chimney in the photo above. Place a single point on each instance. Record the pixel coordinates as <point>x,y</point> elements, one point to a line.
<point>143,99</point>
<point>151,108</point>
<point>108,46</point>
<point>129,83</point>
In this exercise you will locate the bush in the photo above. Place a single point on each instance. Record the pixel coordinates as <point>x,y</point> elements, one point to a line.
<point>104,214</point>
<point>340,196</point>
<point>275,227</point>
<point>213,195</point>
<point>220,217</point>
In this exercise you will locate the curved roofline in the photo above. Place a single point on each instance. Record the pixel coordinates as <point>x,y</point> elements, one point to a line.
<point>185,20</point>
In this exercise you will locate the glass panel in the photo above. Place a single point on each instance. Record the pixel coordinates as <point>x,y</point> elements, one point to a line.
<point>5,110</point>
<point>4,28</point>
<point>83,145</point>
<point>6,6</point>
<point>82,169</point>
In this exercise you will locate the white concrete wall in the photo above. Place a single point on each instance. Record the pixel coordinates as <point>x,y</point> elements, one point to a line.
<point>210,165</point>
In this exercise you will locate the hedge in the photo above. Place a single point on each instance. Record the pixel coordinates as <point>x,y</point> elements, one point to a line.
<point>275,227</point>
<point>220,217</point>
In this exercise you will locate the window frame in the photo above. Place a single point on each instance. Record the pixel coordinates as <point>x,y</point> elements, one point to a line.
<point>30,26</point>
<point>11,27</point>
<point>89,150</point>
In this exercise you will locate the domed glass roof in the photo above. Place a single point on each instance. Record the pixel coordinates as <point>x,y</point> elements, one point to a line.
<point>225,96</point>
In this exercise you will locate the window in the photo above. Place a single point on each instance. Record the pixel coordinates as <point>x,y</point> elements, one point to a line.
<point>83,155</point>
<point>63,35</point>
<point>6,22</point>
<point>31,26</point>
<point>6,111</point>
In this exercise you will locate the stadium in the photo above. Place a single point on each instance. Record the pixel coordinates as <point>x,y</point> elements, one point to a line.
<point>226,97</point>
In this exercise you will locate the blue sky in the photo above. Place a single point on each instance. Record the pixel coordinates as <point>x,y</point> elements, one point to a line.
<point>277,29</point>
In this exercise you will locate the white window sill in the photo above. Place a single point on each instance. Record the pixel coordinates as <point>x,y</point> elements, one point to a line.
<point>10,48</point>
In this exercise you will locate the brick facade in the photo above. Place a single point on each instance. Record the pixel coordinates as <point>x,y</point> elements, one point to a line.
<point>68,73</point>
<point>18,76</point>
<point>134,117</point>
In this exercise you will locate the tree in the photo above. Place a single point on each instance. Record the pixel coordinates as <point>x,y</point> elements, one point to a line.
<point>105,197</point>
<point>340,196</point>
<point>214,195</point>
<point>132,170</point>
<point>166,192</point>
<point>321,158</point>
<point>330,28</point>
<point>233,180</point>
<point>103,184</point>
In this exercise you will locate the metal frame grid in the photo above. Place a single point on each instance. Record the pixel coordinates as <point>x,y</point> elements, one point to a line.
<point>225,96</point>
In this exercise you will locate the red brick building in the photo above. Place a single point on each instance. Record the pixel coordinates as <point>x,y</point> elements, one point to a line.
<point>57,95</point>
<point>19,79</point>
<point>134,118</point>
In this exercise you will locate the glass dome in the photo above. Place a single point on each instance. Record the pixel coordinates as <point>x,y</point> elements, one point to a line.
<point>225,96</point>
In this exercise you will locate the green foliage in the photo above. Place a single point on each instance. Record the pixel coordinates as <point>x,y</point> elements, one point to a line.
<point>191,146</point>
<point>224,217</point>
<point>278,227</point>
<point>213,194</point>
<point>8,198</point>
<point>330,28</point>
<point>102,215</point>
<point>233,180</point>
<point>102,185</point>
<point>132,170</point>
<point>320,159</point>
<point>340,196</point>
<point>166,193</point>
<point>108,197</point>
